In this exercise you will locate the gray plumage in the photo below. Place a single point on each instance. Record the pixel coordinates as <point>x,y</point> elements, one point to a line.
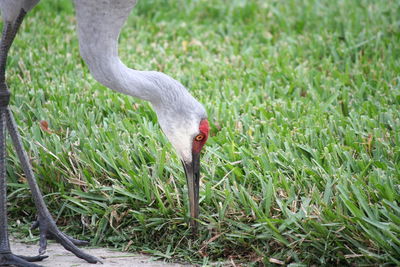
<point>181,117</point>
<point>10,9</point>
<point>99,23</point>
<point>99,26</point>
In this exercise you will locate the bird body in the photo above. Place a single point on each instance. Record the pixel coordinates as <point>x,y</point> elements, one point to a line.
<point>10,9</point>
<point>99,25</point>
<point>182,118</point>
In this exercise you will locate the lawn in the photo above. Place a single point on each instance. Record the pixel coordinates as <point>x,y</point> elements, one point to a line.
<point>303,163</point>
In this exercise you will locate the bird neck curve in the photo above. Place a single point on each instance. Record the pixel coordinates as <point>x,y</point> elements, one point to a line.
<point>156,87</point>
<point>99,25</point>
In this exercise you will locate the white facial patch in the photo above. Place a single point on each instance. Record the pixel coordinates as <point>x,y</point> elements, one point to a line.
<point>182,143</point>
<point>181,137</point>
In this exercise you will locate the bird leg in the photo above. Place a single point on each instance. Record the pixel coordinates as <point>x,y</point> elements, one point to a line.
<point>45,222</point>
<point>6,257</point>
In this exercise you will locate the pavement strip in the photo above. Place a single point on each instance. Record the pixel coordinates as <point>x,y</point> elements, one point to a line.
<point>59,257</point>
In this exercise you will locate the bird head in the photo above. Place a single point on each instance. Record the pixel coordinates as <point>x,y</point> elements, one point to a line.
<point>186,127</point>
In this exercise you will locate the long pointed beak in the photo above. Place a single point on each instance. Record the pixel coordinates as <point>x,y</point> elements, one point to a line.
<point>192,171</point>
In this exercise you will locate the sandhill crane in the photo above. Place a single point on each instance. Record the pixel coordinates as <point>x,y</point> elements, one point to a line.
<point>181,117</point>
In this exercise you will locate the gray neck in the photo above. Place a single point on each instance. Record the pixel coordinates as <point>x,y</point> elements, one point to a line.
<point>99,25</point>
<point>155,87</point>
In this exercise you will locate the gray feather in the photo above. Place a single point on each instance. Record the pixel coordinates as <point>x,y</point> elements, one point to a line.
<point>99,26</point>
<point>10,9</point>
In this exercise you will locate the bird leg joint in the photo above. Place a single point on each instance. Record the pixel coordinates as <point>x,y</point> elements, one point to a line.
<point>4,95</point>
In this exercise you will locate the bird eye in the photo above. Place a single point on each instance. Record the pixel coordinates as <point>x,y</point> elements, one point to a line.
<point>199,137</point>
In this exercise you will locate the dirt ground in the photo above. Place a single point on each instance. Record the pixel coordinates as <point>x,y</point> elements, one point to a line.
<point>59,257</point>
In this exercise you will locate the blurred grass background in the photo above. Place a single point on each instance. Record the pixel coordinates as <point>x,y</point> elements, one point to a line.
<point>303,165</point>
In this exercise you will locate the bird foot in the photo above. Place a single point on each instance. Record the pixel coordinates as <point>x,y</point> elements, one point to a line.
<point>21,261</point>
<point>49,230</point>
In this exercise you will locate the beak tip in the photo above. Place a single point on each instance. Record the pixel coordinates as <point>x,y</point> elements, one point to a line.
<point>192,172</point>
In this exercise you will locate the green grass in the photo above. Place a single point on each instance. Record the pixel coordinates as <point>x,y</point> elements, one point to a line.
<point>303,165</point>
